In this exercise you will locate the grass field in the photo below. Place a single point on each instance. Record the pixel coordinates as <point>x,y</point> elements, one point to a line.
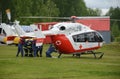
<point>66,67</point>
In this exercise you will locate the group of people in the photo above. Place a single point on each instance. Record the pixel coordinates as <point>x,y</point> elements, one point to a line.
<point>28,47</point>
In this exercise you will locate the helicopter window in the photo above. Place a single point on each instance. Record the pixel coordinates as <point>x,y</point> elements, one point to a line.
<point>62,28</point>
<point>79,38</point>
<point>98,38</point>
<point>90,37</point>
<point>75,38</point>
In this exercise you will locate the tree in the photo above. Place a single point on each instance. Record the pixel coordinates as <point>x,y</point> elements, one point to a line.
<point>94,12</point>
<point>49,9</point>
<point>36,9</point>
<point>22,8</point>
<point>62,8</point>
<point>115,30</point>
<point>71,7</point>
<point>115,24</point>
<point>114,13</point>
<point>5,4</point>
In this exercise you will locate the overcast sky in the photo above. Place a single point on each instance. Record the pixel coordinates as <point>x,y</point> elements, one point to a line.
<point>104,5</point>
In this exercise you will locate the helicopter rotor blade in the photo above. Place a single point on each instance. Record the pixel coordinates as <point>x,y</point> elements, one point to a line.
<point>89,18</point>
<point>68,18</point>
<point>45,17</point>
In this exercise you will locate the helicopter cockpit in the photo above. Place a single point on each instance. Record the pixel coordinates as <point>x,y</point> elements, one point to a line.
<point>88,36</point>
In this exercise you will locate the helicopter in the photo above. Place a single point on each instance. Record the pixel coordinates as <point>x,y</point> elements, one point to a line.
<point>7,33</point>
<point>10,35</point>
<point>73,38</point>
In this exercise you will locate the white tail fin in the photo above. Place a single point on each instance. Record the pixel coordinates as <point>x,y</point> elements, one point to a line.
<point>39,34</point>
<point>8,30</point>
<point>21,32</point>
<point>34,27</point>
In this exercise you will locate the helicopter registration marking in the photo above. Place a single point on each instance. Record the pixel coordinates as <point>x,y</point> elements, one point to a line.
<point>58,42</point>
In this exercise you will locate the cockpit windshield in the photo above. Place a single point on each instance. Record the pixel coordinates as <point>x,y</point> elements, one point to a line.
<point>89,36</point>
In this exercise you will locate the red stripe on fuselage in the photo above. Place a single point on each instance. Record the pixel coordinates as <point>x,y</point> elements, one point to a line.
<point>10,38</point>
<point>87,49</point>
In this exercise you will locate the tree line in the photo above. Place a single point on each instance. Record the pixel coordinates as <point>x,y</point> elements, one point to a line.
<point>61,8</point>
<point>114,14</point>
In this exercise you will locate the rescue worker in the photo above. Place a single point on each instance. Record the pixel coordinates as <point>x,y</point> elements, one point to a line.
<point>37,46</point>
<point>34,48</point>
<point>39,49</point>
<point>50,50</point>
<point>25,48</point>
<point>28,48</point>
<point>20,47</point>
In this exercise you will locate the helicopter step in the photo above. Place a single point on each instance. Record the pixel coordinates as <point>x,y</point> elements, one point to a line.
<point>90,52</point>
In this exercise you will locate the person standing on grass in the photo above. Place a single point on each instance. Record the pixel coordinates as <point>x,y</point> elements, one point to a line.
<point>37,46</point>
<point>20,47</point>
<point>28,48</point>
<point>34,48</point>
<point>39,49</point>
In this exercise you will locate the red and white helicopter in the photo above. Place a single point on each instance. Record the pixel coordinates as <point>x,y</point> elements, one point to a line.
<point>7,31</point>
<point>73,38</point>
<point>10,33</point>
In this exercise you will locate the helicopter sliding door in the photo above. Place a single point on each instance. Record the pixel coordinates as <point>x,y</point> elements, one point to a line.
<point>87,40</point>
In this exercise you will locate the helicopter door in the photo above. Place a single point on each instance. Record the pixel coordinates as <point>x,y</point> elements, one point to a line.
<point>79,41</point>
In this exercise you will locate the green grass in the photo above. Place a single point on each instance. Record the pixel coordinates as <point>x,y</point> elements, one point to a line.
<point>66,67</point>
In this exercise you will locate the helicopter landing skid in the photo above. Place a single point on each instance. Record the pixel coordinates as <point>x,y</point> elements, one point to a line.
<point>90,52</point>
